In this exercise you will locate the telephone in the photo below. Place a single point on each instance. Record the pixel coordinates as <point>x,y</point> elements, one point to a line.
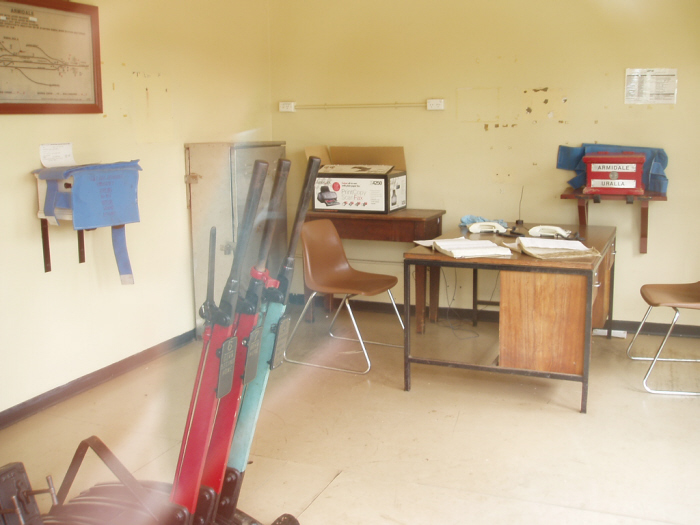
<point>486,227</point>
<point>549,231</point>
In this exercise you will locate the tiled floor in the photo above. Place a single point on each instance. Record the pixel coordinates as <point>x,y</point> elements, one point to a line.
<point>461,447</point>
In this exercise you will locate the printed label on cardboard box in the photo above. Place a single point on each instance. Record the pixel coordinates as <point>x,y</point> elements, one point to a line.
<point>397,193</point>
<point>350,194</point>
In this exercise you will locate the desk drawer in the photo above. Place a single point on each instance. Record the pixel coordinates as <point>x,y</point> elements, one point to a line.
<point>542,321</point>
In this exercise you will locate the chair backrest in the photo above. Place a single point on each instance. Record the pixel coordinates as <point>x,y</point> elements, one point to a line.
<point>324,256</point>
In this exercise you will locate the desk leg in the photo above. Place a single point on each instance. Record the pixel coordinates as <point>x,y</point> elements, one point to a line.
<point>328,302</point>
<point>588,331</point>
<point>434,293</point>
<point>310,311</point>
<point>420,298</point>
<point>475,296</point>
<point>407,323</point>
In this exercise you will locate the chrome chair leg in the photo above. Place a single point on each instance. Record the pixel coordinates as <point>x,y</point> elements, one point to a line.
<point>657,357</point>
<point>344,302</point>
<point>391,296</point>
<point>348,370</point>
<point>639,329</point>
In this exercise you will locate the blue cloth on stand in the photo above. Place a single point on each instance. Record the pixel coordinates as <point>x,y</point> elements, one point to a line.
<point>121,254</point>
<point>653,173</point>
<point>466,220</point>
<point>100,195</point>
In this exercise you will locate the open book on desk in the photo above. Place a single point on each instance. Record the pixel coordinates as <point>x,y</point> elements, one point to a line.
<point>554,248</point>
<point>461,248</point>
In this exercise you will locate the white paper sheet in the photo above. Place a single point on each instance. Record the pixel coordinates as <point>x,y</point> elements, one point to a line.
<point>55,155</point>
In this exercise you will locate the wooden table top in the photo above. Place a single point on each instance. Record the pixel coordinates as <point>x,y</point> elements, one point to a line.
<point>599,237</point>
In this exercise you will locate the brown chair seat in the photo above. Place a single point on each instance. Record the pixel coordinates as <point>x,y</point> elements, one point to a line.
<point>672,295</point>
<point>353,282</point>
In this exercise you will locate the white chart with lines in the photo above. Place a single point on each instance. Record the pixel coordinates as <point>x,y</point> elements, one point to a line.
<point>45,56</point>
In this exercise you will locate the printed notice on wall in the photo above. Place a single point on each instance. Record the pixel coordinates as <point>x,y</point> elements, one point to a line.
<point>651,86</point>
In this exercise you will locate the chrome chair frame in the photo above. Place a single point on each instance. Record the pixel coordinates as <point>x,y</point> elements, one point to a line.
<point>345,302</point>
<point>657,357</point>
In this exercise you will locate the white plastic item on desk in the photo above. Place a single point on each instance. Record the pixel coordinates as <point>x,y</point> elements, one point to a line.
<point>549,231</point>
<point>486,227</point>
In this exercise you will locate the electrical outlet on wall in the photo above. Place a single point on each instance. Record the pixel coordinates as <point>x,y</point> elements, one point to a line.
<point>287,107</point>
<point>435,104</point>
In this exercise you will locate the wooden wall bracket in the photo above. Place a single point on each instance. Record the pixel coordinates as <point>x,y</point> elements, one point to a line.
<point>583,200</point>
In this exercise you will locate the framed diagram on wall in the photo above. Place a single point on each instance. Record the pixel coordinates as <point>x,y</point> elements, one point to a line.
<point>49,57</point>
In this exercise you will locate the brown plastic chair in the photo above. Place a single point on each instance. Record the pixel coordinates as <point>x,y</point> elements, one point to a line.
<point>327,271</point>
<point>673,296</point>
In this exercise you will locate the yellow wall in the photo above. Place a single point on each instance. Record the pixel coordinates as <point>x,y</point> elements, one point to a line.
<point>486,58</point>
<point>215,71</point>
<point>172,73</point>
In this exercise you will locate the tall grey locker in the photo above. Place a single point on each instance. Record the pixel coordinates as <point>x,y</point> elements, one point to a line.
<point>218,177</point>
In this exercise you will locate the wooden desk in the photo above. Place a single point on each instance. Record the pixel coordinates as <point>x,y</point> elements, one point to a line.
<point>583,200</point>
<point>405,225</point>
<point>548,308</point>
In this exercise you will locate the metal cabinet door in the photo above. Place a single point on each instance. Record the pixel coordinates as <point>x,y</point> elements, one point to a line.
<point>218,179</point>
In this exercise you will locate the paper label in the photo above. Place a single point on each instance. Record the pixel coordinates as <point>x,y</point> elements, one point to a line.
<point>55,155</point>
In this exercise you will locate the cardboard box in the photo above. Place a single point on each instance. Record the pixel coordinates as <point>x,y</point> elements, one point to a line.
<point>360,179</point>
<point>614,173</point>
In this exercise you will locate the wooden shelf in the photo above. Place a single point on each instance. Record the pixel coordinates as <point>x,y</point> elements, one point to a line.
<point>406,225</point>
<point>583,200</point>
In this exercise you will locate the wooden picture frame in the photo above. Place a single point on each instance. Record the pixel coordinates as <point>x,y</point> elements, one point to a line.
<point>49,57</point>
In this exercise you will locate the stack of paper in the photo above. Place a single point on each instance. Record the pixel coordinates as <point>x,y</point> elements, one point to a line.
<point>554,248</point>
<point>462,248</point>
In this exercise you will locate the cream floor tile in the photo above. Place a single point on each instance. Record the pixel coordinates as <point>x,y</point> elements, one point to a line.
<point>273,487</point>
<point>460,447</point>
<point>360,499</point>
<point>46,446</point>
